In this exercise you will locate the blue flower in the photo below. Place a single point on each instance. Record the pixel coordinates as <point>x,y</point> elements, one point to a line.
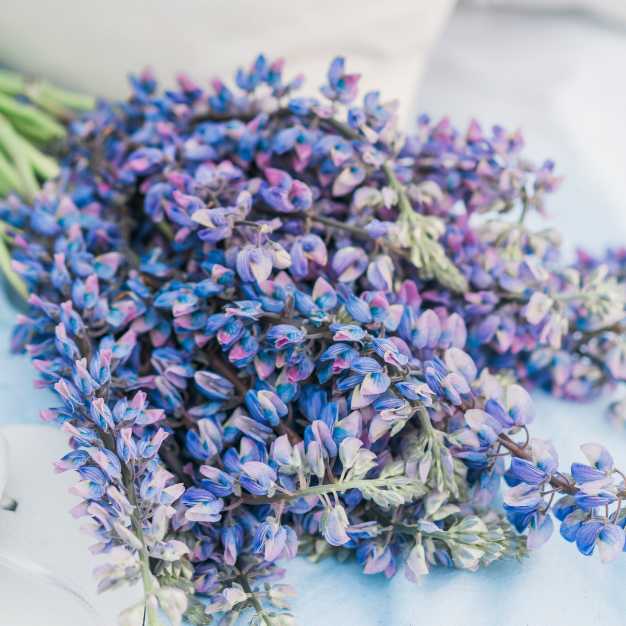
<point>609,538</point>
<point>265,406</point>
<point>257,478</point>
<point>283,335</point>
<point>202,506</point>
<point>521,503</point>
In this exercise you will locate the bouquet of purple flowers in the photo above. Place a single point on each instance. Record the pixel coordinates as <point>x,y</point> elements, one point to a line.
<point>277,326</point>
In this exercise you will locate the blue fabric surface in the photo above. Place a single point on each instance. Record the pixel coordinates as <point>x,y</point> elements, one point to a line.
<point>20,402</point>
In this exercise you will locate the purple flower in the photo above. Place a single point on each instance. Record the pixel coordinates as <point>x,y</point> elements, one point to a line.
<point>275,541</point>
<point>265,406</point>
<point>285,194</point>
<point>349,263</point>
<point>202,506</point>
<point>257,478</point>
<point>347,332</point>
<point>254,264</point>
<point>544,463</point>
<point>516,410</point>
<point>334,524</point>
<point>341,86</point>
<point>213,386</point>
<point>521,503</point>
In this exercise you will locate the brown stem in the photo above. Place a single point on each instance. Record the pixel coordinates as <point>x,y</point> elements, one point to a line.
<point>557,482</point>
<point>292,435</point>
<point>343,129</point>
<point>169,453</point>
<point>258,607</point>
<point>354,230</point>
<point>228,372</point>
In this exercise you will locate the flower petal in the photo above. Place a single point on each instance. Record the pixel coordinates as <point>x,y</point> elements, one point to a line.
<point>610,542</point>
<point>598,456</point>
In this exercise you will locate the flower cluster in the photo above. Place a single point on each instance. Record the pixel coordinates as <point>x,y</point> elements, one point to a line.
<point>274,329</point>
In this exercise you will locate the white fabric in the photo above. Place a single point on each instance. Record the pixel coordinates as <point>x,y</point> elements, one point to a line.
<point>44,558</point>
<point>613,10</point>
<point>93,45</point>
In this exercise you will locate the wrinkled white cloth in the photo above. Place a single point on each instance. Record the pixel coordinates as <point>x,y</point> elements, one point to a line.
<point>93,45</point>
<point>613,11</point>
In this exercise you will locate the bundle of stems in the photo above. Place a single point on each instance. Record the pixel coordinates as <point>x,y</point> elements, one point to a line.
<point>33,116</point>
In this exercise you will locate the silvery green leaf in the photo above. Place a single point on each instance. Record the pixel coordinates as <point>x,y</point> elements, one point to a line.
<point>538,307</point>
<point>395,468</point>
<point>466,557</point>
<point>425,466</point>
<point>433,501</point>
<point>173,603</point>
<point>364,461</point>
<point>445,511</point>
<point>471,524</point>
<point>416,565</point>
<point>428,527</point>
<point>394,492</point>
<point>171,550</point>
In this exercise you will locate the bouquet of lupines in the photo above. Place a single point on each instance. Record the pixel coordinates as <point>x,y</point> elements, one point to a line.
<point>278,326</point>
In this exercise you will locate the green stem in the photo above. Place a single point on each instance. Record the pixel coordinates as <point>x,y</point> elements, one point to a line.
<point>57,101</point>
<point>258,607</point>
<point>559,483</point>
<point>152,619</point>
<point>151,616</point>
<point>5,266</point>
<point>8,175</point>
<point>354,230</point>
<point>29,116</point>
<point>427,254</point>
<point>11,142</point>
<point>11,83</point>
<point>424,419</point>
<point>349,228</point>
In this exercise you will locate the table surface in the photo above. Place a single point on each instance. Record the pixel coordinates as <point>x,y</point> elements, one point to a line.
<point>554,77</point>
